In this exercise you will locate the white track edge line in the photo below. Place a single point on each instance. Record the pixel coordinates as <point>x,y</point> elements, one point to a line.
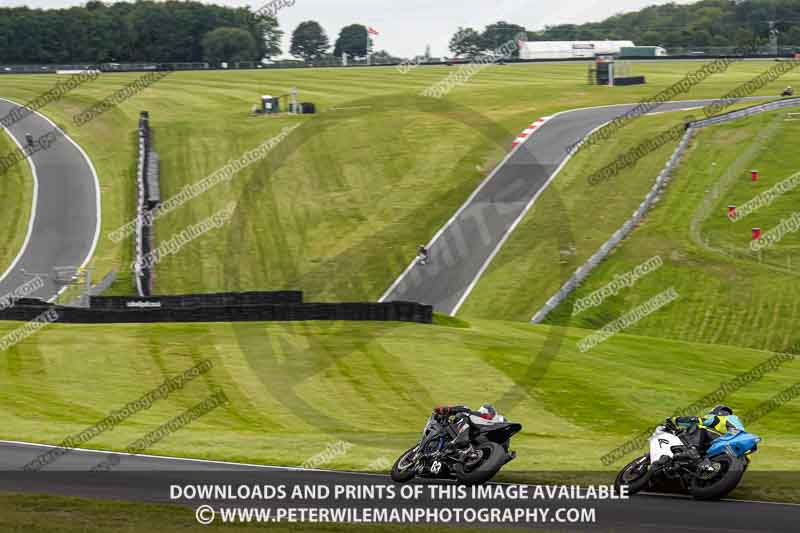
<point>34,203</point>
<point>452,219</point>
<point>190,460</point>
<point>36,188</point>
<point>517,221</point>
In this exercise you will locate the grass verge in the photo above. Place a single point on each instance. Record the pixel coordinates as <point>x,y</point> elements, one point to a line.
<point>16,198</point>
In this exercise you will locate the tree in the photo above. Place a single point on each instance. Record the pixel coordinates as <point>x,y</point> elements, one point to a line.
<point>229,44</point>
<point>496,35</point>
<point>384,57</point>
<point>352,41</point>
<point>309,41</point>
<point>466,42</point>
<point>266,27</point>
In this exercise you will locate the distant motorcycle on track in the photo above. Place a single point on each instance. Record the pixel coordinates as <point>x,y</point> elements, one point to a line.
<point>706,476</point>
<point>463,446</point>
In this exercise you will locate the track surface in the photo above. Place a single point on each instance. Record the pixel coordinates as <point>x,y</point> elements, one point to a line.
<point>463,249</point>
<point>65,216</point>
<point>147,479</point>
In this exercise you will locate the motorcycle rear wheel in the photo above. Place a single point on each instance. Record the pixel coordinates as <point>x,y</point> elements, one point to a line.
<point>731,472</point>
<point>403,468</point>
<point>640,479</point>
<point>494,457</point>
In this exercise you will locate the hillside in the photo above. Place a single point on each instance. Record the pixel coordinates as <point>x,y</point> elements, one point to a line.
<point>295,387</point>
<point>354,191</point>
<point>729,294</point>
<point>704,24</point>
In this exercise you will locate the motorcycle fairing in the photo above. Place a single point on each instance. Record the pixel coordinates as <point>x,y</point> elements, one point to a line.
<point>739,442</point>
<point>661,443</point>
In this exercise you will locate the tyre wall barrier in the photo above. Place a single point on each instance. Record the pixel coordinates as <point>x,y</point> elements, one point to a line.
<point>221,299</point>
<point>652,197</point>
<point>391,311</point>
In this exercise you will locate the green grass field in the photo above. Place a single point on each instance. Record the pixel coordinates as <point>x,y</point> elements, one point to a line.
<point>348,186</point>
<point>296,388</point>
<point>729,295</point>
<point>16,195</point>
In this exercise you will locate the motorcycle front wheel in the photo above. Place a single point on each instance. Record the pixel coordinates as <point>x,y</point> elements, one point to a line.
<point>636,475</point>
<point>494,457</point>
<point>403,468</point>
<point>729,472</point>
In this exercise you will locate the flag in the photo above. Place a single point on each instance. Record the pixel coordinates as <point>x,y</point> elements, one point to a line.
<point>372,31</point>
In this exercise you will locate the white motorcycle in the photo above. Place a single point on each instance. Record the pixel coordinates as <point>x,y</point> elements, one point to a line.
<point>707,476</point>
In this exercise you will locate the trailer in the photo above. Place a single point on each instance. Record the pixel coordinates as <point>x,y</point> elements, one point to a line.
<point>630,52</point>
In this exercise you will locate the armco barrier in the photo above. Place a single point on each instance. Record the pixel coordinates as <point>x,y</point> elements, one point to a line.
<point>392,311</point>
<point>663,178</point>
<point>144,231</point>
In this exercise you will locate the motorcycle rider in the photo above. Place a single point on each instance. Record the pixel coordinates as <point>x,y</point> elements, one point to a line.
<point>700,432</point>
<point>460,414</point>
<point>422,254</point>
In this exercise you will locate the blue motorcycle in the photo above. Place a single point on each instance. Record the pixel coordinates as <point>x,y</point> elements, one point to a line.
<point>708,476</point>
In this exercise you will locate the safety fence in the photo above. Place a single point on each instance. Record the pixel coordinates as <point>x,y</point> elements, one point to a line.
<point>165,310</point>
<point>148,197</point>
<point>580,275</point>
<point>335,62</point>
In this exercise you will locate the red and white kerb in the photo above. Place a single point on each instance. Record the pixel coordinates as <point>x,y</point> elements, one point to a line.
<point>529,131</point>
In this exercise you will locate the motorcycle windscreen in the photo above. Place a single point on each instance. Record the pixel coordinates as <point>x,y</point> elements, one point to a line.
<point>503,432</point>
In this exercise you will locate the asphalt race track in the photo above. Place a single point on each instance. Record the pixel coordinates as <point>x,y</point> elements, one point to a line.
<point>466,245</point>
<point>66,209</point>
<point>148,479</point>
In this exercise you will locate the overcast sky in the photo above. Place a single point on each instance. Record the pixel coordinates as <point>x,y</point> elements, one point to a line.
<point>406,26</point>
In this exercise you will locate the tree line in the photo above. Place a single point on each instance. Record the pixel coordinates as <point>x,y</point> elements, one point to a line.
<point>144,30</point>
<point>705,24</point>
<point>166,32</point>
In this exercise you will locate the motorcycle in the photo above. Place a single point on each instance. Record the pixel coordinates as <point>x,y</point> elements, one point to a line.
<point>708,476</point>
<point>470,449</point>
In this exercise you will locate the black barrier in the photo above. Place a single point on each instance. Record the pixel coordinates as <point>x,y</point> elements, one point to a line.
<point>392,311</point>
<point>220,299</point>
<point>630,80</point>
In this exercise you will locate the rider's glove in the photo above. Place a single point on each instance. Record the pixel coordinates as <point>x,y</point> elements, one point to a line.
<point>442,410</point>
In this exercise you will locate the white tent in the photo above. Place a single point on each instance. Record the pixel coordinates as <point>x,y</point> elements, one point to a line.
<point>569,49</point>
